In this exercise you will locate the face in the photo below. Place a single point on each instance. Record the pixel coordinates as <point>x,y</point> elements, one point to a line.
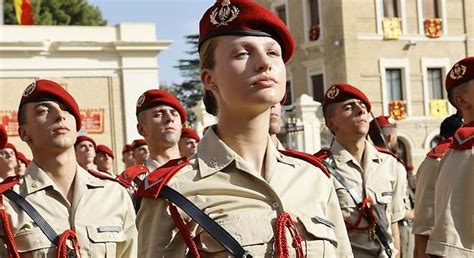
<point>128,159</point>
<point>20,169</point>
<point>160,125</point>
<point>249,73</point>
<point>141,154</point>
<point>275,119</point>
<point>350,119</point>
<point>187,146</point>
<point>104,162</point>
<point>85,152</point>
<point>49,126</point>
<point>7,159</point>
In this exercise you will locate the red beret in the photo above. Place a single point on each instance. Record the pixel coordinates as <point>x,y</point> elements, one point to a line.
<point>3,137</point>
<point>104,149</point>
<point>21,157</point>
<point>82,138</point>
<point>11,146</point>
<point>245,18</point>
<point>137,143</point>
<point>152,98</point>
<point>127,148</point>
<point>462,71</point>
<point>341,91</point>
<point>42,90</point>
<point>189,133</point>
<point>383,121</point>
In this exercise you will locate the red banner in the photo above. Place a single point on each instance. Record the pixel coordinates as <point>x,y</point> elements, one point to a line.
<point>9,120</point>
<point>397,109</point>
<point>433,28</point>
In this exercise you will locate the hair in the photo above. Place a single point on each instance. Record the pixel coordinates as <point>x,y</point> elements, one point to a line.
<point>456,91</point>
<point>329,111</point>
<point>376,135</point>
<point>207,61</point>
<point>21,115</point>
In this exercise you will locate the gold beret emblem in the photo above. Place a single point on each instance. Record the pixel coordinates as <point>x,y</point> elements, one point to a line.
<point>224,14</point>
<point>29,89</point>
<point>141,100</point>
<point>332,93</point>
<point>457,72</point>
<point>391,120</point>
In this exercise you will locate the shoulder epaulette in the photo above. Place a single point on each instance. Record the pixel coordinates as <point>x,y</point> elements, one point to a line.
<point>129,174</point>
<point>8,183</point>
<point>383,150</point>
<point>322,154</point>
<point>152,184</point>
<point>440,149</point>
<point>306,157</point>
<point>463,139</point>
<point>104,176</point>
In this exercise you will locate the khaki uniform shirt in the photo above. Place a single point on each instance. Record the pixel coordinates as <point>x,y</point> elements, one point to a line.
<point>453,232</point>
<point>383,179</point>
<point>246,205</point>
<point>424,196</point>
<point>101,214</point>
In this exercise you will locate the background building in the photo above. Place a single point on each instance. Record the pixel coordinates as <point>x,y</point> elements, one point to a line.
<point>104,68</point>
<point>397,51</point>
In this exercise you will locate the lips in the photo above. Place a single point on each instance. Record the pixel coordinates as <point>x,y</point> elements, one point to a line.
<point>61,129</point>
<point>265,81</point>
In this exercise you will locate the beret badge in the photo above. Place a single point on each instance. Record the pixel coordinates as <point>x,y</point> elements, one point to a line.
<point>391,120</point>
<point>332,92</point>
<point>29,89</point>
<point>225,14</point>
<point>141,100</point>
<point>457,72</point>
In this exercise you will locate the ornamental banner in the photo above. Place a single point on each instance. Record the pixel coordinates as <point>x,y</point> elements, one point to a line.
<point>397,109</point>
<point>391,28</point>
<point>8,119</point>
<point>438,108</point>
<point>92,120</point>
<point>433,27</point>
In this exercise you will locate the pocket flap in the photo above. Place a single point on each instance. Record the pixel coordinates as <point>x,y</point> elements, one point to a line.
<point>384,197</point>
<point>32,239</point>
<point>100,234</point>
<point>319,228</point>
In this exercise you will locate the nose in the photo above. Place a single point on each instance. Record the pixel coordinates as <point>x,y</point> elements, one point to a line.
<point>262,62</point>
<point>361,109</point>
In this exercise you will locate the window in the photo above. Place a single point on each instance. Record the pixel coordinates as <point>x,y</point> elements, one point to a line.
<point>289,94</point>
<point>317,81</point>
<point>394,84</point>
<point>281,12</point>
<point>314,28</point>
<point>390,9</point>
<point>431,9</point>
<point>435,84</point>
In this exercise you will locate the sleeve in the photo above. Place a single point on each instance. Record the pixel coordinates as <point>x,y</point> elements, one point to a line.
<point>399,192</point>
<point>334,212</point>
<point>156,231</point>
<point>128,248</point>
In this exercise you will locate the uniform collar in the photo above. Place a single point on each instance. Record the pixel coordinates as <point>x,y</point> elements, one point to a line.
<point>342,156</point>
<point>152,164</point>
<point>36,179</point>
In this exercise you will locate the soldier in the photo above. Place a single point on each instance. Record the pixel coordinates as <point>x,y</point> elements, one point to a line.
<point>370,185</point>
<point>244,196</point>
<point>452,234</point>
<point>140,151</point>
<point>425,185</point>
<point>160,118</point>
<point>8,161</point>
<point>275,124</point>
<point>104,159</point>
<point>188,142</point>
<point>60,209</point>
<point>23,163</point>
<point>127,156</point>
<point>85,152</point>
<point>383,133</point>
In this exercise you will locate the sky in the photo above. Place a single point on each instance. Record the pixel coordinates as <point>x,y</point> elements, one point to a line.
<point>173,19</point>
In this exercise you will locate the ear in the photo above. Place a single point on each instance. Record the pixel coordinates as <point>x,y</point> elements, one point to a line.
<point>329,124</point>
<point>23,134</point>
<point>140,130</point>
<point>460,102</point>
<point>207,81</point>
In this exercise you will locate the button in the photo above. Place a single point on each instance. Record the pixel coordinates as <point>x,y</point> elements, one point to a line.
<point>275,205</point>
<point>35,184</point>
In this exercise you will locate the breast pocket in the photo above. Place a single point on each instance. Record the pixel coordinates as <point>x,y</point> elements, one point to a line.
<point>320,239</point>
<point>34,243</point>
<point>104,240</point>
<point>345,199</point>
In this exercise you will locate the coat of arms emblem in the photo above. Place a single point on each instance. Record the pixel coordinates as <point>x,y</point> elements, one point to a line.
<point>332,92</point>
<point>457,72</point>
<point>29,89</point>
<point>141,100</point>
<point>225,14</point>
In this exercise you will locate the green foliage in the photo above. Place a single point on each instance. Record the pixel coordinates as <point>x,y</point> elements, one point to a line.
<point>189,92</point>
<point>58,12</point>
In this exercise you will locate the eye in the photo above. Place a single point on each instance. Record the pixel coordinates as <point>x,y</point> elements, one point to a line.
<point>242,54</point>
<point>274,52</point>
<point>42,110</point>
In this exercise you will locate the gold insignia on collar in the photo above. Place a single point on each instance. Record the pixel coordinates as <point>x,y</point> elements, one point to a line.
<point>224,14</point>
<point>457,72</point>
<point>332,92</point>
<point>29,89</point>
<point>141,100</point>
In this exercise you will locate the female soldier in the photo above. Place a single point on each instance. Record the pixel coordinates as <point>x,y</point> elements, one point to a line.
<point>269,202</point>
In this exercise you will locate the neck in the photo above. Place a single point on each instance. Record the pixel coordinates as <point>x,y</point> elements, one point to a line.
<point>163,154</point>
<point>7,173</point>
<point>468,117</point>
<point>246,135</point>
<point>355,146</point>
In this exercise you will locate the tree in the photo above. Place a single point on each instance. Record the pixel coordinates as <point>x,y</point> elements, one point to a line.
<point>189,92</point>
<point>58,12</point>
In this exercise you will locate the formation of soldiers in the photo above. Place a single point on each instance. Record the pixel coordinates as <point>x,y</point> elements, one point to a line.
<point>237,191</point>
